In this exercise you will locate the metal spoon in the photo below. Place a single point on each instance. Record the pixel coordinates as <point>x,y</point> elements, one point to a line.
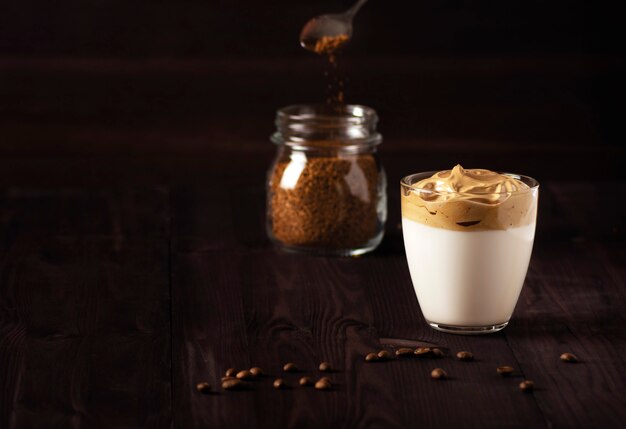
<point>326,33</point>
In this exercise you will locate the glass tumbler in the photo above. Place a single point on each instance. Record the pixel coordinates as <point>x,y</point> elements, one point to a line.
<point>468,254</point>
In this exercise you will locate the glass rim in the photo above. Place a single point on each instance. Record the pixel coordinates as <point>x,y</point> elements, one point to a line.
<point>532,183</point>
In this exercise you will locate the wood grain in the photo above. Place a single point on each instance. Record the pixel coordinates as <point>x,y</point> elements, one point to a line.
<point>573,305</point>
<point>84,339</point>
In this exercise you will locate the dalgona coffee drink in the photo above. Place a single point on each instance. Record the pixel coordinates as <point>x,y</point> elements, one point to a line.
<point>468,236</point>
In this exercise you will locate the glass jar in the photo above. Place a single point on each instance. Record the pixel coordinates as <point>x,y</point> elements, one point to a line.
<point>326,189</point>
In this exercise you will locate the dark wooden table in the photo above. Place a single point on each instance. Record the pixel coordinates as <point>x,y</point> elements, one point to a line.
<point>134,263</point>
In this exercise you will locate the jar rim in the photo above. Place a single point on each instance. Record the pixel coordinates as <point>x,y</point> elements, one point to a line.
<point>311,126</point>
<point>349,114</point>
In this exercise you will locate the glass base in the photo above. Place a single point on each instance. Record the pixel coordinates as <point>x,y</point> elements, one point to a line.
<point>323,251</point>
<point>468,330</point>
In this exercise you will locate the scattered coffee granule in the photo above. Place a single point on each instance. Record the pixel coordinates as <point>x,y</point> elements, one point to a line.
<point>404,352</point>
<point>465,356</point>
<point>527,386</point>
<point>384,355</point>
<point>203,387</point>
<point>256,371</point>
<point>325,367</point>
<point>422,351</point>
<point>371,357</point>
<point>230,372</point>
<point>569,357</point>
<point>428,352</point>
<point>306,381</point>
<point>235,384</point>
<point>279,383</point>
<point>331,204</point>
<point>505,370</point>
<point>323,384</point>
<point>244,375</point>
<point>290,367</point>
<point>228,378</point>
<point>438,374</point>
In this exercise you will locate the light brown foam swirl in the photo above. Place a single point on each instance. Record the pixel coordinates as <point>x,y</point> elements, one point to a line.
<point>477,185</point>
<point>466,200</point>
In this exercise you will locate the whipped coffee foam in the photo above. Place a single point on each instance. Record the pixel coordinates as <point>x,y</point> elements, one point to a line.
<point>478,185</point>
<point>470,199</point>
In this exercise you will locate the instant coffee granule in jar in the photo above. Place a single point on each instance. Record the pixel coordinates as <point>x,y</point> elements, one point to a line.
<point>326,187</point>
<point>327,207</point>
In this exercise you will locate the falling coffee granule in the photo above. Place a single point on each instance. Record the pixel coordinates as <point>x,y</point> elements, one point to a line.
<point>527,386</point>
<point>569,357</point>
<point>332,203</point>
<point>438,374</point>
<point>203,387</point>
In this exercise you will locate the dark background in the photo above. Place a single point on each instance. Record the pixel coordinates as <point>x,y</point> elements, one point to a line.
<point>150,91</point>
<point>244,29</point>
<point>134,261</point>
